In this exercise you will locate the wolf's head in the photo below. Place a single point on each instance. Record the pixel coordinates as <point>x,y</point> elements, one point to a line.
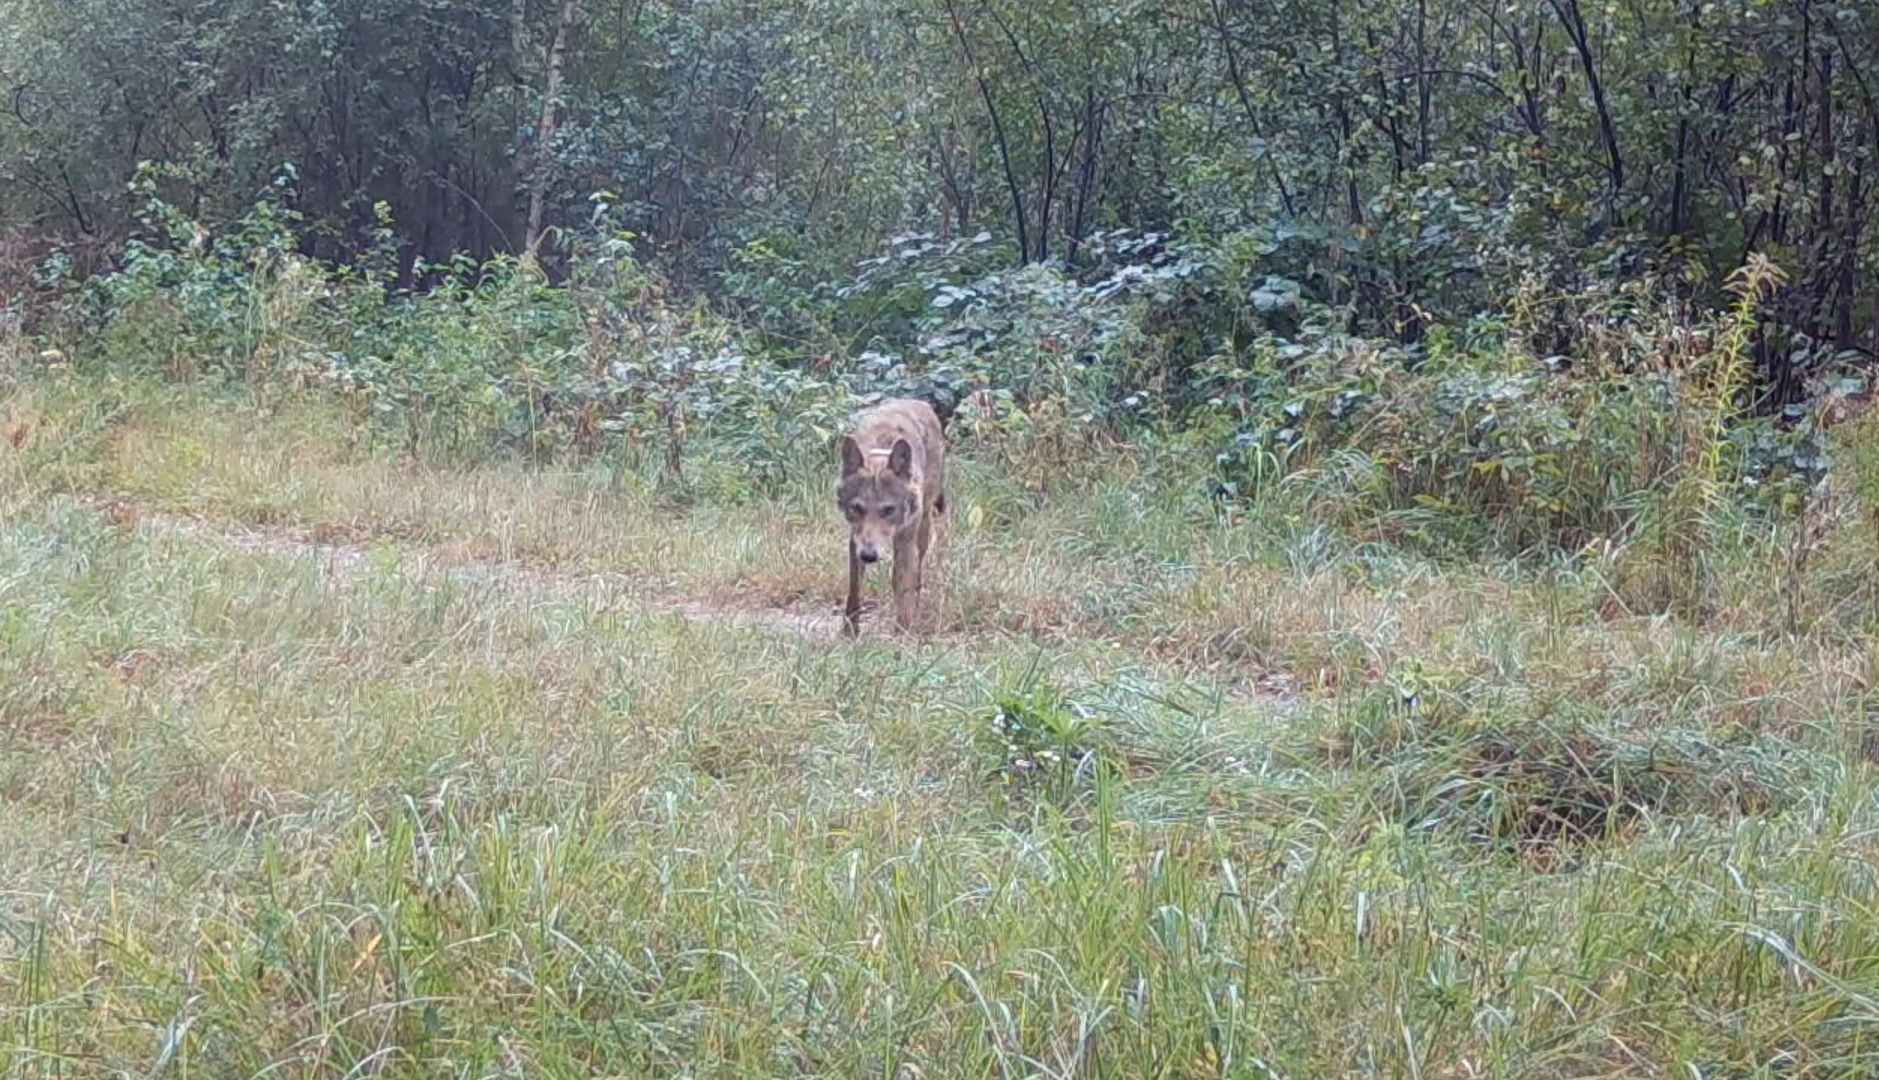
<point>879,495</point>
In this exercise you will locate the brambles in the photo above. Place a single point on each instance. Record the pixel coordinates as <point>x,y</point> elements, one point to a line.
<point>1461,441</point>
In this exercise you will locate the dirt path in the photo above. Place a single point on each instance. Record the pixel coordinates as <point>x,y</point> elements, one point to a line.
<point>289,543</point>
<point>353,558</point>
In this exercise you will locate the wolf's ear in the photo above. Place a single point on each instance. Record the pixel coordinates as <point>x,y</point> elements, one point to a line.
<point>851,456</point>
<point>901,460</point>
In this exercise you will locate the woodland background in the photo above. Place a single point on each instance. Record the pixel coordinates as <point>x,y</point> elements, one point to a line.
<point>1408,164</point>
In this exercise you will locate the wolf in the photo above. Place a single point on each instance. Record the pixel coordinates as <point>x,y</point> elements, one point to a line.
<point>893,487</point>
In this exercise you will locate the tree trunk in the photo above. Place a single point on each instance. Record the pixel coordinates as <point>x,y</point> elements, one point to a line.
<point>998,135</point>
<point>545,129</point>
<point>1574,21</point>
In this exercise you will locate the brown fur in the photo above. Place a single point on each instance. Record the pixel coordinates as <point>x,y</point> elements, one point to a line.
<point>892,489</point>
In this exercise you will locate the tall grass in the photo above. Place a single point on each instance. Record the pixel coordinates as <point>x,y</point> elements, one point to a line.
<point>1157,793</point>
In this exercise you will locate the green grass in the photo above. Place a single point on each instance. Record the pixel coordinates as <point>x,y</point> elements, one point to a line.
<point>1278,802</point>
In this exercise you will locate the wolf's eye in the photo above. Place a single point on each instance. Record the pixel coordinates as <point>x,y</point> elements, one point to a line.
<point>888,509</point>
<point>855,509</point>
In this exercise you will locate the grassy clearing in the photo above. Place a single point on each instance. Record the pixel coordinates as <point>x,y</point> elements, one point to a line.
<point>262,815</point>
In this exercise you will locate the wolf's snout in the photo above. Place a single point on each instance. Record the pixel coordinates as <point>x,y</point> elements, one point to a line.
<point>869,553</point>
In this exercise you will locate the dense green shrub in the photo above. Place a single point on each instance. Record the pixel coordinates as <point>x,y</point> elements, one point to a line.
<point>1463,438</point>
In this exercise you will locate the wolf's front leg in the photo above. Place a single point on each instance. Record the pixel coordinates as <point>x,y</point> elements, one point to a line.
<point>851,611</point>
<point>906,580</point>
